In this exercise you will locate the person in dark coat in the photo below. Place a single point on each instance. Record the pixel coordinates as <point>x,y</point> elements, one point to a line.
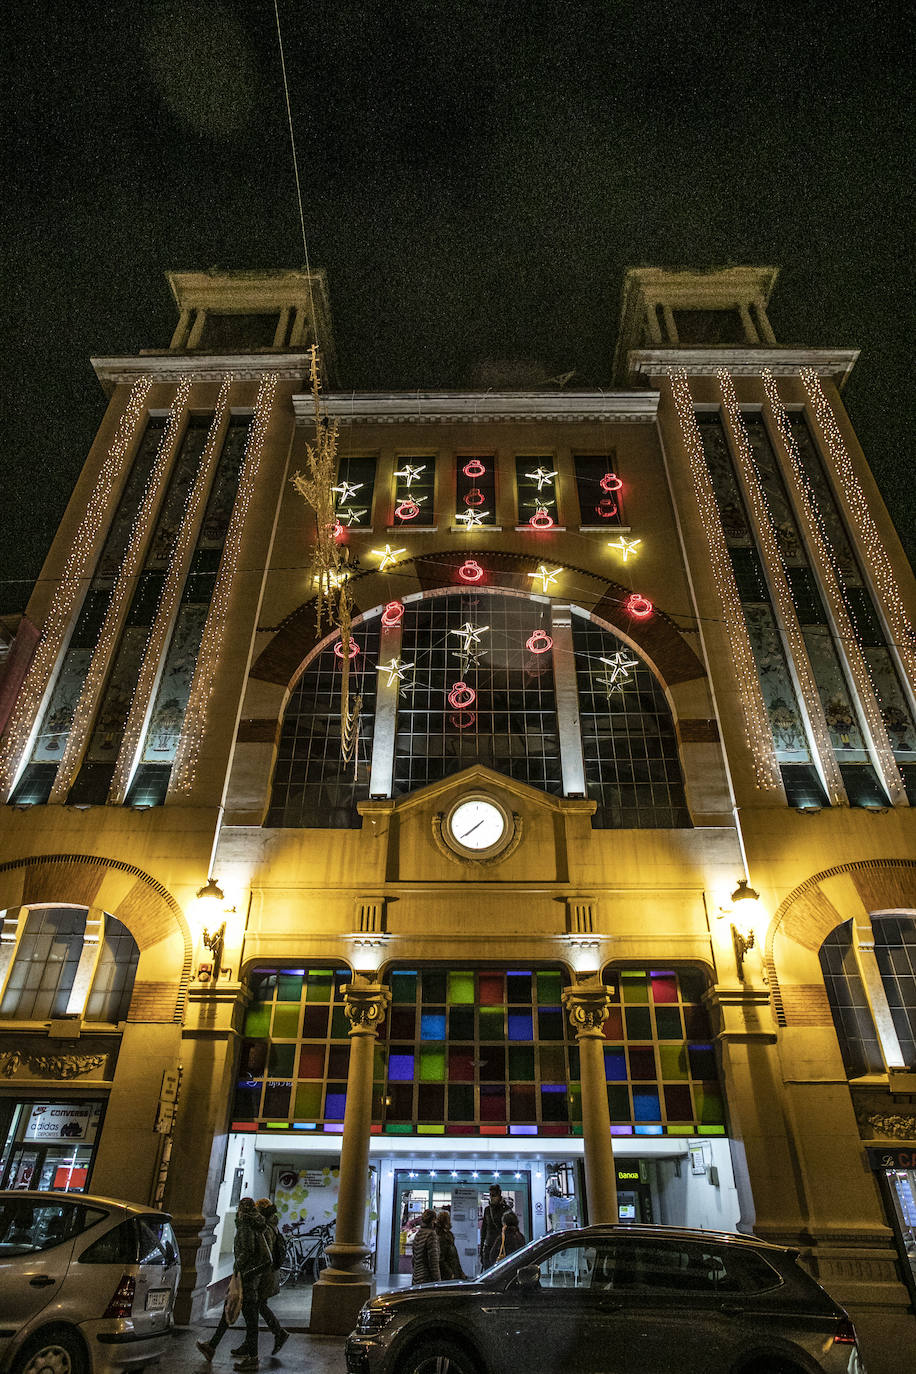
<point>270,1283</point>
<point>252,1263</point>
<point>509,1240</point>
<point>449,1263</point>
<point>491,1228</point>
<point>426,1250</point>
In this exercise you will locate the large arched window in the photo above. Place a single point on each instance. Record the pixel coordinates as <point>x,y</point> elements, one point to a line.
<point>45,964</point>
<point>475,678</point>
<point>113,983</point>
<point>853,1014</point>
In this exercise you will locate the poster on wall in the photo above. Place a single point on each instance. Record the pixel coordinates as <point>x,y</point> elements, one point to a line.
<point>465,1227</point>
<point>61,1121</point>
<point>305,1198</point>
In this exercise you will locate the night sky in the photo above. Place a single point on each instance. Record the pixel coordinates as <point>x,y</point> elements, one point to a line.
<point>477,177</point>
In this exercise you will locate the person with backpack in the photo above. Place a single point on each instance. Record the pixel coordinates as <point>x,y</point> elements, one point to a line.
<point>270,1283</point>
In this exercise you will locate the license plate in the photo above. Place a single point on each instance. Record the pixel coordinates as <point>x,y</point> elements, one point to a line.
<point>157,1299</point>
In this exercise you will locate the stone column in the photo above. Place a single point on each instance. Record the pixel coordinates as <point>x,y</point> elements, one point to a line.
<point>345,1285</point>
<point>587,1004</point>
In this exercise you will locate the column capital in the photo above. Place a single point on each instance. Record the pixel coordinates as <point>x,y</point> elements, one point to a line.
<point>587,1003</point>
<point>365,1004</point>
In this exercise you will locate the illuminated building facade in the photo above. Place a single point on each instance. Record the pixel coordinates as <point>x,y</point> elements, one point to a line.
<point>613,896</point>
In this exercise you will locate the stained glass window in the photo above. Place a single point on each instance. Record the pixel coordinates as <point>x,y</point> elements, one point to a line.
<point>849,1005</point>
<point>45,964</point>
<point>895,951</point>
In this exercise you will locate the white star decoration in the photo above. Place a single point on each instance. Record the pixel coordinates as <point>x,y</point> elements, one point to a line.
<point>395,670</point>
<point>541,475</point>
<point>620,665</point>
<point>410,473</point>
<point>625,546</point>
<point>473,517</point>
<point>470,636</point>
<point>388,555</point>
<point>347,489</point>
<point>547,577</point>
<point>350,514</point>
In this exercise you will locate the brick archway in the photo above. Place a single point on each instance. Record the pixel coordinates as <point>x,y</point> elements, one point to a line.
<point>144,906</point>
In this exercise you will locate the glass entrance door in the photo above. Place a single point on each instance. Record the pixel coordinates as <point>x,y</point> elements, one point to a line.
<point>413,1194</point>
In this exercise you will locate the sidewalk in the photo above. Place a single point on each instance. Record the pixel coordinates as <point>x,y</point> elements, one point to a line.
<point>317,1354</point>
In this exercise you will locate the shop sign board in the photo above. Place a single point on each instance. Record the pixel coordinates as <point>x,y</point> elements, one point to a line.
<point>60,1121</point>
<point>880,1157</point>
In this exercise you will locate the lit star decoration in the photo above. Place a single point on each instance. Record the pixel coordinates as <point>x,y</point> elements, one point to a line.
<point>388,555</point>
<point>620,665</point>
<point>396,670</point>
<point>410,473</point>
<point>547,576</point>
<point>756,721</point>
<point>351,514</point>
<point>472,518</point>
<point>347,489</point>
<point>470,636</point>
<point>541,476</point>
<point>625,546</point>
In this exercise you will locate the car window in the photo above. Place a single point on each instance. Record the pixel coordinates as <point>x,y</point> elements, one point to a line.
<point>28,1225</point>
<point>117,1246</point>
<point>698,1268</point>
<point>157,1241</point>
<point>577,1266</point>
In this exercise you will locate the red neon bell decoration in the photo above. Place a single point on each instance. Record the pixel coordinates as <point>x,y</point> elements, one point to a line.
<point>606,508</point>
<point>462,696</point>
<point>539,642</point>
<point>463,720</point>
<point>639,607</point>
<point>610,482</point>
<point>470,571</point>
<point>475,497</point>
<point>541,520</point>
<point>407,510</point>
<point>474,468</point>
<point>354,648</point>
<point>337,530</point>
<point>392,614</point>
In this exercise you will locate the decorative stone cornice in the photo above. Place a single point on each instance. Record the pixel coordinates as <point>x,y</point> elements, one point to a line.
<point>51,1065</point>
<point>836,363</point>
<point>475,407</point>
<point>201,367</point>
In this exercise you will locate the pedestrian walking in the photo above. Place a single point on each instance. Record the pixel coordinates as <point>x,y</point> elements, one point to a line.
<point>426,1250</point>
<point>492,1225</point>
<point>449,1262</point>
<point>509,1240</point>
<point>252,1259</point>
<point>270,1283</point>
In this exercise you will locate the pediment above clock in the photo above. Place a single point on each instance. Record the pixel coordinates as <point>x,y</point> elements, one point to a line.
<point>477,778</point>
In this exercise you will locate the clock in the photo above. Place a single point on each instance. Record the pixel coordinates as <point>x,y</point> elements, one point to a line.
<point>478,828</point>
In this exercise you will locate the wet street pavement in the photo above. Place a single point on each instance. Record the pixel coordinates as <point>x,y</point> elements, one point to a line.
<point>310,1354</point>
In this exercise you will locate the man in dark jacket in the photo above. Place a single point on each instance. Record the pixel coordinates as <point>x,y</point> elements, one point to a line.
<point>252,1262</point>
<point>492,1225</point>
<point>426,1250</point>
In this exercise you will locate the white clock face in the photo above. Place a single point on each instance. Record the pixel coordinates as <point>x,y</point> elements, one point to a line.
<point>477,824</point>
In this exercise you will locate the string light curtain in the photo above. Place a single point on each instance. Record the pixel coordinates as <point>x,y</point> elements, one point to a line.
<point>67,595</point>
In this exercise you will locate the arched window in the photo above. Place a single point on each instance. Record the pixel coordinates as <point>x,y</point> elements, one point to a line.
<point>45,964</point>
<point>849,1006</point>
<point>895,951</point>
<point>113,983</point>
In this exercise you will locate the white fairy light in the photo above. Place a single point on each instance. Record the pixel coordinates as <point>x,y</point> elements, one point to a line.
<point>876,556</point>
<point>184,770</point>
<point>542,476</point>
<point>756,721</point>
<point>625,546</point>
<point>387,556</point>
<point>68,593</point>
<point>547,576</point>
<point>121,595</point>
<point>782,593</point>
<point>157,641</point>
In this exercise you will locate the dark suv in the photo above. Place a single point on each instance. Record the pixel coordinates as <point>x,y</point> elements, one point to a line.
<point>615,1300</point>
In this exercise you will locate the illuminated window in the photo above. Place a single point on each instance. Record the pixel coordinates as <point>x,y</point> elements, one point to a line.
<point>45,964</point>
<point>113,982</point>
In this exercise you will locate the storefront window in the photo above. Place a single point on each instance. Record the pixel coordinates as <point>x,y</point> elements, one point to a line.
<point>48,1145</point>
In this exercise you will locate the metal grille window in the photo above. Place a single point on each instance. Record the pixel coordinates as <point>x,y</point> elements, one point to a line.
<point>895,951</point>
<point>354,490</point>
<point>313,786</point>
<point>659,1059</point>
<point>45,964</point>
<point>296,1051</point>
<point>629,743</point>
<point>536,484</point>
<point>113,983</point>
<point>849,1005</point>
<point>599,490</point>
<point>506,717</point>
<point>415,491</point>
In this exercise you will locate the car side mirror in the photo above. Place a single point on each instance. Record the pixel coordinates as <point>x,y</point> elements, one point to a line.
<point>529,1277</point>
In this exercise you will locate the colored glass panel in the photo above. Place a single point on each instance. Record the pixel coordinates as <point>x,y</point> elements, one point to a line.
<point>492,989</point>
<point>550,1025</point>
<point>575,1102</point>
<point>311,1061</point>
<point>431,1102</point>
<point>668,1023</point>
<point>521,1064</point>
<point>615,1064</point>
<point>461,989</point>
<point>613,1026</point>
<point>280,1061</point>
<point>664,987</point>
<point>318,986</point>
<point>708,1103</point>
<point>276,1100</point>
<point>634,987</point>
<point>642,1062</point>
<point>646,1105</point>
<point>519,988</point>
<point>492,1063</point>
<point>432,1026</point>
<point>402,1023</point>
<point>702,1061</point>
<point>432,1066</point>
<point>308,1101</point>
<point>461,1024</point>
<point>403,987</point>
<point>315,1023</point>
<point>400,1067</point>
<point>673,1060</point>
<point>289,987</point>
<point>400,1102</point>
<point>286,1020</point>
<point>550,988</point>
<point>257,1020</point>
<point>460,1103</point>
<point>553,1063</point>
<point>338,1061</point>
<point>335,1102</point>
<point>492,1103</point>
<point>677,1103</point>
<point>522,1102</point>
<point>492,1025</point>
<point>461,1066</point>
<point>639,1023</point>
<point>434,986</point>
<point>618,1100</point>
<point>521,1026</point>
<point>553,1102</point>
<point>340,1026</point>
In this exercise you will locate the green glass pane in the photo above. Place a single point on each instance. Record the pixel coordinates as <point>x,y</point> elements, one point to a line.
<point>575,1102</point>
<point>396,1128</point>
<point>257,1021</point>
<point>577,1129</point>
<point>550,985</point>
<point>714,1130</point>
<point>521,1065</point>
<point>430,1130</point>
<point>286,1021</point>
<point>307,1104</point>
<point>618,1100</point>
<point>404,987</point>
<point>379,1061</point>
<point>280,1063</point>
<point>681,1130</point>
<point>340,1026</point>
<point>673,1061</point>
<point>707,1103</point>
<point>289,987</point>
<point>432,1066</point>
<point>461,989</point>
<point>318,984</point>
<point>634,986</point>
<point>492,1024</point>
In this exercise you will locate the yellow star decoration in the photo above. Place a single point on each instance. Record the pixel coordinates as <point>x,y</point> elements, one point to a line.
<point>388,555</point>
<point>547,577</point>
<point>625,546</point>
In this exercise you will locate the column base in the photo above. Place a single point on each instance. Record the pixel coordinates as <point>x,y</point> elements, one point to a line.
<point>335,1305</point>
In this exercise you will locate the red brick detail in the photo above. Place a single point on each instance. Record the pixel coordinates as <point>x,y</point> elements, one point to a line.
<point>886,889</point>
<point>153,1002</point>
<point>810,919</point>
<point>62,880</point>
<point>145,914</point>
<point>806,1004</point>
<point>698,732</point>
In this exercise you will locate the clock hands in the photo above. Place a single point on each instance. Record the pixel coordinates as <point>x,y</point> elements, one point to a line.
<point>472,829</point>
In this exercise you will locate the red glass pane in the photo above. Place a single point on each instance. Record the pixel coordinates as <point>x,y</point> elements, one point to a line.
<point>491,989</point>
<point>664,987</point>
<point>492,1130</point>
<point>311,1061</point>
<point>613,1026</point>
<point>642,1063</point>
<point>492,1104</point>
<point>522,1103</point>
<point>554,1128</point>
<point>461,1066</point>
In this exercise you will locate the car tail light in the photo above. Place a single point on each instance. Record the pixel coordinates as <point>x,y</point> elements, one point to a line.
<point>122,1300</point>
<point>845,1333</point>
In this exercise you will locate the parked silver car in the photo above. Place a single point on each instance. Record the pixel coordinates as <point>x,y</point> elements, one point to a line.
<point>615,1300</point>
<point>87,1284</point>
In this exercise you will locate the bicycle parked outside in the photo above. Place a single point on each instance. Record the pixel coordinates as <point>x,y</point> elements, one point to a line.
<point>305,1253</point>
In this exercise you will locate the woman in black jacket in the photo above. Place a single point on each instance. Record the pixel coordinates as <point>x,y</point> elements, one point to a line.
<point>449,1263</point>
<point>510,1240</point>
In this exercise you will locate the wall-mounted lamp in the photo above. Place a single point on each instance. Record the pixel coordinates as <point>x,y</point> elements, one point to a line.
<point>744,892</point>
<point>214,943</point>
<point>211,892</point>
<point>742,941</point>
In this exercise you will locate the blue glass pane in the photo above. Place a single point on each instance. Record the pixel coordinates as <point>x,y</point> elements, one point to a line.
<point>432,1026</point>
<point>646,1106</point>
<point>521,1026</point>
<point>400,1068</point>
<point>334,1105</point>
<point>523,1130</point>
<point>648,1130</point>
<point>615,1066</point>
